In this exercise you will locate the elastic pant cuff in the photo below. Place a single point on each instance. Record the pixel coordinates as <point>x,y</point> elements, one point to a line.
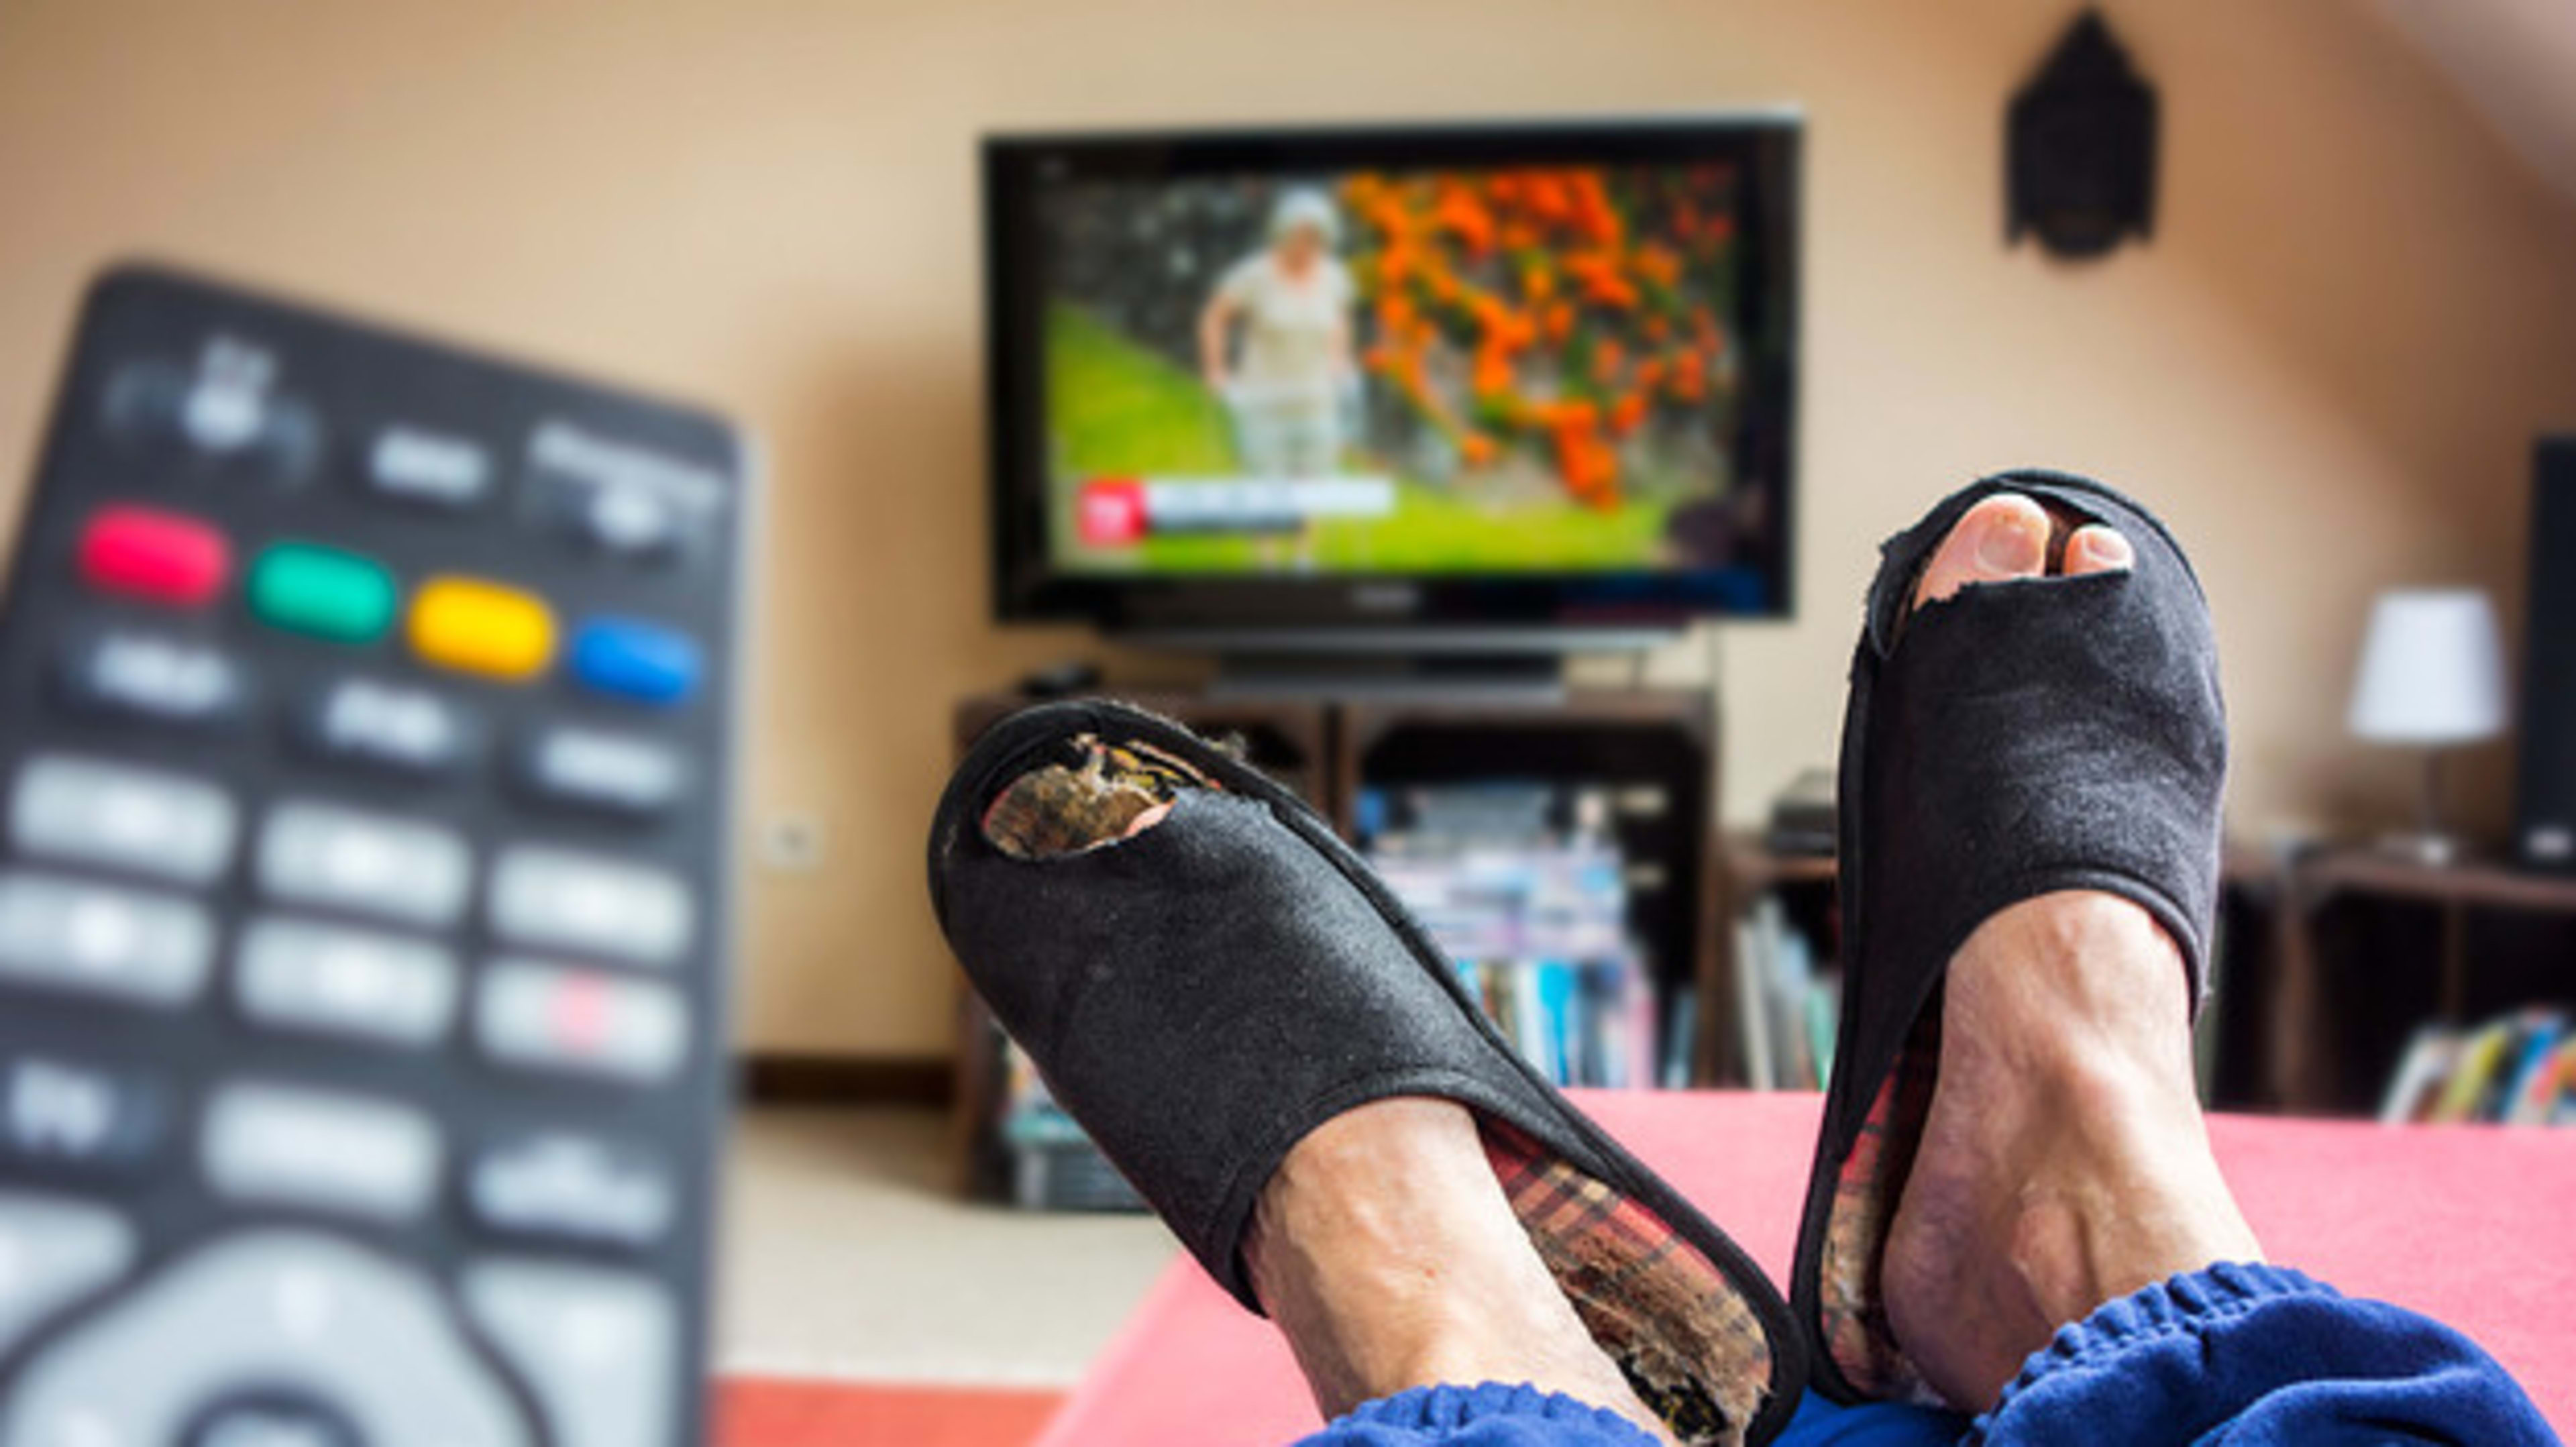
<point>2191,1302</point>
<point>1440,1408</point>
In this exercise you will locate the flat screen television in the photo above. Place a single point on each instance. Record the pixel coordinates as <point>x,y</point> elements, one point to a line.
<point>1401,387</point>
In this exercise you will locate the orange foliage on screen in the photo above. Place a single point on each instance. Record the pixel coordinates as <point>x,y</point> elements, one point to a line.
<point>1582,306</point>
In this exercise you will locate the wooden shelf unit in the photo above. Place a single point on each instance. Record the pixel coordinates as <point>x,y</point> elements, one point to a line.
<point>2281,975</point>
<point>2531,916</point>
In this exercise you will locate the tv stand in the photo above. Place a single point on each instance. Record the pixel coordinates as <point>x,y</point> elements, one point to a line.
<point>1528,678</point>
<point>1498,665</point>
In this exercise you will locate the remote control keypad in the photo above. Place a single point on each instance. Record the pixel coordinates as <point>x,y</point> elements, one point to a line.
<point>373,760</point>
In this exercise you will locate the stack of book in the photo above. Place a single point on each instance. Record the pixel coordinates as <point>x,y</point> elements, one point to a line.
<point>1525,891</point>
<point>2518,1069</point>
<point>1787,1004</point>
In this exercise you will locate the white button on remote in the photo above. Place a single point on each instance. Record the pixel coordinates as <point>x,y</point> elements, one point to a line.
<point>324,1149</point>
<point>378,864</point>
<point>120,816</point>
<point>330,980</point>
<point>128,945</point>
<point>550,898</point>
<point>579,1022</point>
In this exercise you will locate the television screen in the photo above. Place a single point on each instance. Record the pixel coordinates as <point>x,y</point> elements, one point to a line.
<point>1535,377</point>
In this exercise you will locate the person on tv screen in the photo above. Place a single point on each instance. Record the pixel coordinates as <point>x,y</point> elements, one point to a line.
<point>1285,380</point>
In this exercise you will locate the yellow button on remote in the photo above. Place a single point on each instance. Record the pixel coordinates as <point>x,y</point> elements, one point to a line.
<point>477,627</point>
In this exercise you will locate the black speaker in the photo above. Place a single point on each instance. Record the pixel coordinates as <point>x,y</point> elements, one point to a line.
<point>2545,822</point>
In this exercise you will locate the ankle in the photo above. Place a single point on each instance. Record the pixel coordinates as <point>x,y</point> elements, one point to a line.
<point>2065,1160</point>
<point>2116,1187</point>
<point>1385,1251</point>
<point>1378,1183</point>
<point>2092,1236</point>
<point>2122,1103</point>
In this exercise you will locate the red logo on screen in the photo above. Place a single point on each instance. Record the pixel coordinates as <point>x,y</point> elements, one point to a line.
<point>1110,512</point>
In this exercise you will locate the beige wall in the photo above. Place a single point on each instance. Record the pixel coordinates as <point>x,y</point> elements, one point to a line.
<point>2326,368</point>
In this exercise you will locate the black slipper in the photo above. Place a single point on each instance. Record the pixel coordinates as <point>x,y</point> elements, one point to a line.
<point>1203,993</point>
<point>2025,736</point>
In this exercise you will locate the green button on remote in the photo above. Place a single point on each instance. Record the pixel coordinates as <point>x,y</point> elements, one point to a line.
<point>308,588</point>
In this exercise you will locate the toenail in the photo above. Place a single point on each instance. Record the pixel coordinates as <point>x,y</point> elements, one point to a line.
<point>2009,546</point>
<point>2107,549</point>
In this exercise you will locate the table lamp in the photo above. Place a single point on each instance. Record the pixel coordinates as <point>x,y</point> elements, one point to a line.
<point>2432,677</point>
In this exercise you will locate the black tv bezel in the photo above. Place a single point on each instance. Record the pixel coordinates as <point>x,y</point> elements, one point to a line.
<point>1025,588</point>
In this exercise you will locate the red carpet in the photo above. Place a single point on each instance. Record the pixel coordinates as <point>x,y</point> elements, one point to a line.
<point>764,1412</point>
<point>2467,1223</point>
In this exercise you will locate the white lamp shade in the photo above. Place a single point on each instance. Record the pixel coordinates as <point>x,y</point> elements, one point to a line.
<point>2432,669</point>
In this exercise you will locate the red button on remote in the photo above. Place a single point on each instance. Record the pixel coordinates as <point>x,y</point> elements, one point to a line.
<point>159,557</point>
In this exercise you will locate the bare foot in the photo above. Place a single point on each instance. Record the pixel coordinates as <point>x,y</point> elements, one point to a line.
<point>1387,1254</point>
<point>2064,1162</point>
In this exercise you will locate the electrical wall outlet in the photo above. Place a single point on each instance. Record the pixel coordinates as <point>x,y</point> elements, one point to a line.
<point>792,842</point>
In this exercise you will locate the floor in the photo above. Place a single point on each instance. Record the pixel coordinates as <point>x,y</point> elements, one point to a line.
<point>846,1256</point>
<point>770,1412</point>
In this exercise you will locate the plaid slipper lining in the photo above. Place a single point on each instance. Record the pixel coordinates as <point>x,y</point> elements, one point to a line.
<point>1088,800</point>
<point>1866,1190</point>
<point>1687,1340</point>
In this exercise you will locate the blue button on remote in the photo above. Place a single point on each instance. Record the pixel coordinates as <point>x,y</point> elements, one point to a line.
<point>629,659</point>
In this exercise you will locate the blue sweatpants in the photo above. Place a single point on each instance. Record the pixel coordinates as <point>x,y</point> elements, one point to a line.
<point>2248,1356</point>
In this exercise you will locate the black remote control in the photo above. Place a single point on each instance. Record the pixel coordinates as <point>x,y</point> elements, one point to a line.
<point>364,920</point>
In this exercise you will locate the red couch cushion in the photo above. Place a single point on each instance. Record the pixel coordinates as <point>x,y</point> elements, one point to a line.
<point>2467,1224</point>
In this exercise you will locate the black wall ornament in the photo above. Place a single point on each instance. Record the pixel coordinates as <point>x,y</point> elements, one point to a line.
<point>2080,147</point>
